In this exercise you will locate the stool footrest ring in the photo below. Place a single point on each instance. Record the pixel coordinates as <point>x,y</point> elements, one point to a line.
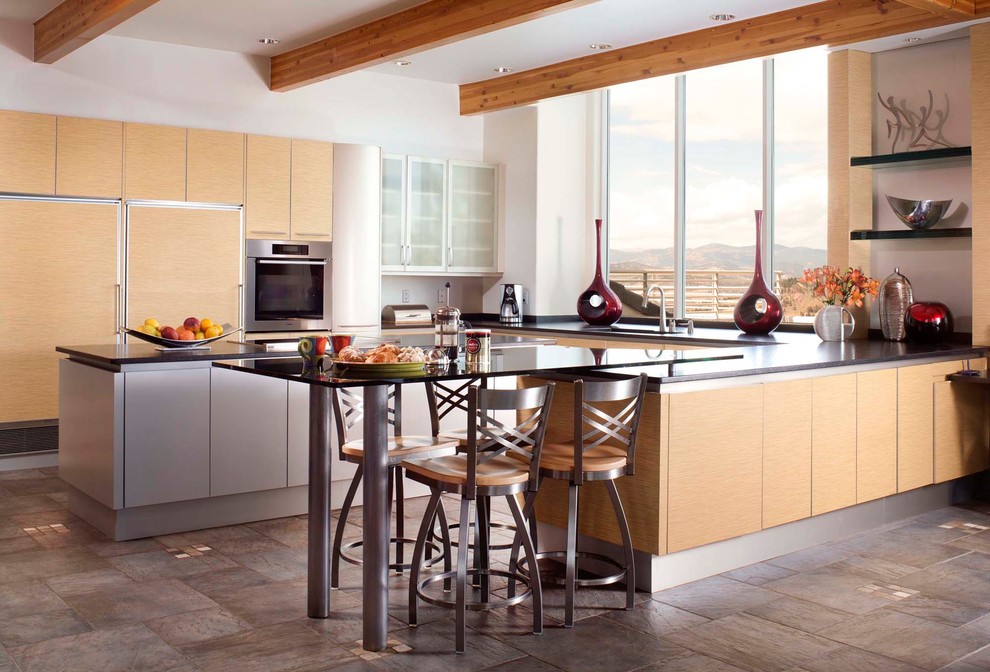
<point>474,606</point>
<point>560,581</point>
<point>397,566</point>
<point>493,547</point>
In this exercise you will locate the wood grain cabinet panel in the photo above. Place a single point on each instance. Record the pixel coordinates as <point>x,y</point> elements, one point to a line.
<point>715,474</point>
<point>266,205</point>
<point>215,169</point>
<point>90,157</point>
<point>962,431</point>
<point>876,434</point>
<point>786,452</point>
<point>154,162</point>
<point>915,427</point>
<point>71,302</point>
<point>27,153</point>
<point>833,443</point>
<point>312,190</point>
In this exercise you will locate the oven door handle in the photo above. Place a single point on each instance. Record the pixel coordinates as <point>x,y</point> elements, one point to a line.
<point>293,262</point>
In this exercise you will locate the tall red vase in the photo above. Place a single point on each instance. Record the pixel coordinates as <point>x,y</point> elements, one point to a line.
<point>759,310</point>
<point>599,305</point>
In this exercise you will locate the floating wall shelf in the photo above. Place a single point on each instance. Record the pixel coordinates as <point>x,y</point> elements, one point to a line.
<point>907,234</point>
<point>904,159</point>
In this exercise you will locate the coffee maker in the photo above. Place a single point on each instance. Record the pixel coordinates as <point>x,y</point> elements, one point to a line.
<point>511,311</point>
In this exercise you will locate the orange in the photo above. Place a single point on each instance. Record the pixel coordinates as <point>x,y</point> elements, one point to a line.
<point>205,324</point>
<point>186,335</point>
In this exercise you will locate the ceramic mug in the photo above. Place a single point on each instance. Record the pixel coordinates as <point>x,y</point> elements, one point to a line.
<point>340,341</point>
<point>313,350</point>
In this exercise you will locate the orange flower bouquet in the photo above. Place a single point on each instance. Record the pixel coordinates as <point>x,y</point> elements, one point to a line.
<point>832,288</point>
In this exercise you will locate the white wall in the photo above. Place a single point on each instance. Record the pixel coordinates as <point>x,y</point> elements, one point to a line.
<point>465,293</point>
<point>136,80</point>
<point>939,269</point>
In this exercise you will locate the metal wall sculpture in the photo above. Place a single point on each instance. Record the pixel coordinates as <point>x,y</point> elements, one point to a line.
<point>912,130</point>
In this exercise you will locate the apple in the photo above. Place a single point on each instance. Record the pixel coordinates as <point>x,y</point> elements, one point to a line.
<point>192,324</point>
<point>169,333</point>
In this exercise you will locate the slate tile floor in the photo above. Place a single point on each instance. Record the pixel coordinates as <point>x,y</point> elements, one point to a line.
<point>908,597</point>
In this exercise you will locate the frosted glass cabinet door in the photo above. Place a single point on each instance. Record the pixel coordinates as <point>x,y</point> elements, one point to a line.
<point>473,217</point>
<point>425,214</point>
<point>393,212</point>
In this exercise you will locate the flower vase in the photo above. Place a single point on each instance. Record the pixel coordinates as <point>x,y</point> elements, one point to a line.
<point>759,310</point>
<point>830,325</point>
<point>599,305</point>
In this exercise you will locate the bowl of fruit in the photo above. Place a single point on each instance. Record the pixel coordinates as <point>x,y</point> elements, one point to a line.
<point>191,333</point>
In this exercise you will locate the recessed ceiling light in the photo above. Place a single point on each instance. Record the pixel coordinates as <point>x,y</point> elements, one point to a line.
<point>912,39</point>
<point>401,63</point>
<point>502,68</point>
<point>722,17</point>
<point>268,40</point>
<point>600,46</point>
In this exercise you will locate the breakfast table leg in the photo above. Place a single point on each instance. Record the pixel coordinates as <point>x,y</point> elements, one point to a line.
<point>318,588</point>
<point>376,517</point>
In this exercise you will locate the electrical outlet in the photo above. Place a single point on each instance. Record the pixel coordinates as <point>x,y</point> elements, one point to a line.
<point>405,296</point>
<point>441,294</point>
<point>525,296</point>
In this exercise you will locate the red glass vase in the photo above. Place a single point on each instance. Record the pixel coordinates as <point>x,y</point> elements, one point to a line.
<point>759,310</point>
<point>599,305</point>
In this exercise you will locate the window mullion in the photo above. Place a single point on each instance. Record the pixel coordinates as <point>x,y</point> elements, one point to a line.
<point>769,175</point>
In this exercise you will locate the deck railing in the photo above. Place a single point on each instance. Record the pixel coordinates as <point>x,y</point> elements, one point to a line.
<point>708,294</point>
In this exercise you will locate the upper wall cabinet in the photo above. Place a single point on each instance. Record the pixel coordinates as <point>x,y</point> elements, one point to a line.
<point>215,167</point>
<point>269,169</point>
<point>27,153</point>
<point>154,162</point>
<point>439,216</point>
<point>311,200</point>
<point>90,157</point>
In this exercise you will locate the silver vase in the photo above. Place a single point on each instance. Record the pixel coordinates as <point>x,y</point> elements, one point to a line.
<point>894,298</point>
<point>831,325</point>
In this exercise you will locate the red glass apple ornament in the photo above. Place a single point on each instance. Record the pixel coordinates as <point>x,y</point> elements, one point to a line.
<point>599,305</point>
<point>759,310</point>
<point>928,322</point>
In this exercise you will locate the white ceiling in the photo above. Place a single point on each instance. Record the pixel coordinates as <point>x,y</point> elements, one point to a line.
<point>237,25</point>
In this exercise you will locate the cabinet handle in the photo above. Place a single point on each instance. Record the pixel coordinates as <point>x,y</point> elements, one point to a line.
<point>116,309</point>
<point>310,233</point>
<point>408,255</point>
<point>272,233</point>
<point>450,256</point>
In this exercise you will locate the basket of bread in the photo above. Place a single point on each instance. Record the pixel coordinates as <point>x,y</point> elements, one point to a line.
<point>385,360</point>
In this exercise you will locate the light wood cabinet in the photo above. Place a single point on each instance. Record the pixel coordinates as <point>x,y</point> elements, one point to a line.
<point>248,433</point>
<point>154,162</point>
<point>962,431</point>
<point>70,300</point>
<point>170,279</point>
<point>27,153</point>
<point>915,427</point>
<point>215,168</point>
<point>311,211</point>
<point>786,451</point>
<point>90,157</point>
<point>876,434</point>
<point>715,474</point>
<point>166,436</point>
<point>267,195</point>
<point>833,443</point>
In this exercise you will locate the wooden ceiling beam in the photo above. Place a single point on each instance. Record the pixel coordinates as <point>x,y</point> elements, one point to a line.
<point>829,23</point>
<point>962,10</point>
<point>73,23</point>
<point>425,26</point>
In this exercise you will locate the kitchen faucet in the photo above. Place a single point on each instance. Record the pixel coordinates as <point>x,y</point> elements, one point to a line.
<point>663,306</point>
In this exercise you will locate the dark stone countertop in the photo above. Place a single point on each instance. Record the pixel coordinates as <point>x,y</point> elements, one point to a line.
<point>146,353</point>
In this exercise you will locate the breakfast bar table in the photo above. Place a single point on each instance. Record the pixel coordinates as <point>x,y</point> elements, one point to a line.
<point>543,359</point>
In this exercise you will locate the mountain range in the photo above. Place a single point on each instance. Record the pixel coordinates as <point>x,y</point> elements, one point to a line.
<point>791,260</point>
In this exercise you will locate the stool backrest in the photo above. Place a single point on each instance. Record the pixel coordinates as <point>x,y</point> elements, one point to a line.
<point>489,438</point>
<point>446,397</point>
<point>594,426</point>
<point>348,410</point>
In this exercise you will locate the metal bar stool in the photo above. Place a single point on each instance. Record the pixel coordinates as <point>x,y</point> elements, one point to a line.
<point>603,448</point>
<point>499,461</point>
<point>348,410</point>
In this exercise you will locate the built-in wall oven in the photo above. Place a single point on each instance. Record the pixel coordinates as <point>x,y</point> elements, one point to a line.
<point>287,285</point>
